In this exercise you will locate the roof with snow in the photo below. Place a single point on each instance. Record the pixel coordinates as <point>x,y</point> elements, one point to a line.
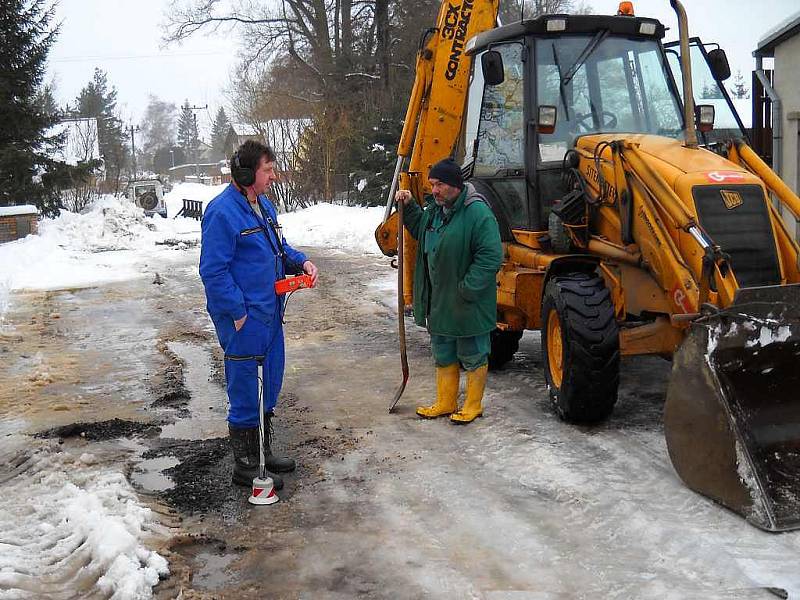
<point>783,31</point>
<point>245,129</point>
<point>22,209</point>
<point>282,135</point>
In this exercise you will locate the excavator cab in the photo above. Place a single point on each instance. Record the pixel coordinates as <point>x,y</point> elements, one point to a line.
<point>590,74</point>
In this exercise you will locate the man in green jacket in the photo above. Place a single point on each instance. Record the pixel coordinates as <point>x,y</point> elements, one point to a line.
<point>458,256</point>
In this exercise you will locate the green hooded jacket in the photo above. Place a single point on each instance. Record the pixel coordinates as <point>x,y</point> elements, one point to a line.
<point>455,290</point>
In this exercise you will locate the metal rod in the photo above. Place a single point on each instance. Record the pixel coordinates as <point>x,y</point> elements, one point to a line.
<point>701,239</point>
<point>393,188</point>
<point>262,469</point>
<point>401,322</point>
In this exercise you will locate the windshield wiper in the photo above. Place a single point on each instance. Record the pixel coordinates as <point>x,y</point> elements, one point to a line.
<point>590,47</point>
<point>561,86</point>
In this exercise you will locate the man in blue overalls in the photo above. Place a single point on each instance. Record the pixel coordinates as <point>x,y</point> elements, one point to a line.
<point>242,254</point>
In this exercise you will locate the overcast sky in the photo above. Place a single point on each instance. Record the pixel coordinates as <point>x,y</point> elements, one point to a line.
<point>123,37</point>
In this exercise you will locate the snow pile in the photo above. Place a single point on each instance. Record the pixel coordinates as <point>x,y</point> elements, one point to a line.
<point>65,524</point>
<point>110,224</point>
<point>332,226</point>
<point>75,250</point>
<point>321,225</point>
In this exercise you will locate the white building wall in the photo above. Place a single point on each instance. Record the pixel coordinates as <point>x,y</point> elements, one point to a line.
<point>787,85</point>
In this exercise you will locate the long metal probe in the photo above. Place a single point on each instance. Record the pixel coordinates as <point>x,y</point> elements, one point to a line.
<point>262,467</point>
<point>401,305</point>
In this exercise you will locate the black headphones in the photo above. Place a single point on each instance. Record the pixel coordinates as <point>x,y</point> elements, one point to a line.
<point>244,176</point>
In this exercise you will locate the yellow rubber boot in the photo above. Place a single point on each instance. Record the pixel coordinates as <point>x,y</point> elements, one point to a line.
<point>446,393</point>
<point>472,409</point>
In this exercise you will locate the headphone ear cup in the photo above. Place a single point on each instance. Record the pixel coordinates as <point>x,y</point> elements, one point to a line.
<point>244,176</point>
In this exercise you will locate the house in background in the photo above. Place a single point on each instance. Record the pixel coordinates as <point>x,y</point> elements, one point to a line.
<point>18,221</point>
<point>776,105</point>
<point>284,136</point>
<point>238,134</point>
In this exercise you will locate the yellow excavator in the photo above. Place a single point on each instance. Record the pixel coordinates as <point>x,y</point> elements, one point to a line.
<point>631,225</point>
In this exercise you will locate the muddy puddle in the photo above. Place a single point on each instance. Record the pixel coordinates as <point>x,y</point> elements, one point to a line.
<point>148,474</point>
<point>205,410</point>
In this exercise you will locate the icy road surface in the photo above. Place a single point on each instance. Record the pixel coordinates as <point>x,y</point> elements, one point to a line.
<point>516,505</point>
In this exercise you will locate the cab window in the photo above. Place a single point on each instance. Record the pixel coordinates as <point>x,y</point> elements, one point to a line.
<point>501,132</point>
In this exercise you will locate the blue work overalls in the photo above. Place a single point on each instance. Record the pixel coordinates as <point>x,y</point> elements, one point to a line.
<point>240,260</point>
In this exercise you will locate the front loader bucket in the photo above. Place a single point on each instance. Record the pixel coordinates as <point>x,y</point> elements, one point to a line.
<point>732,414</point>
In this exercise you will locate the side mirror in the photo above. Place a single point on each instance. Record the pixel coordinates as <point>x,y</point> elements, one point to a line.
<point>718,62</point>
<point>492,66</point>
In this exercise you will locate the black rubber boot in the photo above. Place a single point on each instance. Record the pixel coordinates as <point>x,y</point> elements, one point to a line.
<point>244,443</point>
<point>276,464</point>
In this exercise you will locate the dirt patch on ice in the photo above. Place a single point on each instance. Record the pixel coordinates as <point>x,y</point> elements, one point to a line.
<point>102,430</point>
<point>202,478</point>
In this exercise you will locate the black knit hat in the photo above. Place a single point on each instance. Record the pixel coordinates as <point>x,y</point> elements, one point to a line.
<point>447,171</point>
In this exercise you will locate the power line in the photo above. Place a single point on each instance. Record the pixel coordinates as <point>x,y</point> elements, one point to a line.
<point>132,56</point>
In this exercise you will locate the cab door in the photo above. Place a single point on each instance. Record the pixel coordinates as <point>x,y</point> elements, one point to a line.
<point>495,136</point>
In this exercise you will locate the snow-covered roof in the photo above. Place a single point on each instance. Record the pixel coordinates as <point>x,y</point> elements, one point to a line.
<point>244,129</point>
<point>82,142</point>
<point>22,209</point>
<point>784,30</point>
<point>283,135</point>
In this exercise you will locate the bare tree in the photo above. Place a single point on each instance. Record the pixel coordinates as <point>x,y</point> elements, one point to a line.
<point>158,127</point>
<point>81,152</point>
<point>516,10</point>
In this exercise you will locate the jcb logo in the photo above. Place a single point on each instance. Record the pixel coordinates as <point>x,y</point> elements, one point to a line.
<point>731,199</point>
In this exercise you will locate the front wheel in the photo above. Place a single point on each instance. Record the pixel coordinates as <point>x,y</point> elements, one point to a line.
<point>580,346</point>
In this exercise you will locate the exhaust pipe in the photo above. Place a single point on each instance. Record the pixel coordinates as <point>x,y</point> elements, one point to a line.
<point>686,71</point>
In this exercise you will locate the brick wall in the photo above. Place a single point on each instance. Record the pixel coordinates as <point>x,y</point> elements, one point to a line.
<point>14,227</point>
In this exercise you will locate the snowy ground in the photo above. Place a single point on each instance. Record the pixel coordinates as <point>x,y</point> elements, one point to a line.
<point>88,515</point>
<point>518,505</point>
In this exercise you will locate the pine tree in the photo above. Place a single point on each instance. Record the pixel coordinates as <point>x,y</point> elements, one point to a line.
<point>187,130</point>
<point>98,101</point>
<point>25,40</point>
<point>219,132</point>
<point>739,89</point>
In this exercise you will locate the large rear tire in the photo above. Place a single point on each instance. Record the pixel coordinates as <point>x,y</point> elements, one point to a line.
<point>580,346</point>
<point>504,345</point>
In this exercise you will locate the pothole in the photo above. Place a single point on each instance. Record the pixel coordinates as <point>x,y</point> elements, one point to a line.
<point>148,474</point>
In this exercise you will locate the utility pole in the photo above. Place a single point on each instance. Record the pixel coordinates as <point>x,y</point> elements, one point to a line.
<point>132,131</point>
<point>194,114</point>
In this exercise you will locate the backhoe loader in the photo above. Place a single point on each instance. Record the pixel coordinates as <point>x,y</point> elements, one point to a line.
<point>630,227</point>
